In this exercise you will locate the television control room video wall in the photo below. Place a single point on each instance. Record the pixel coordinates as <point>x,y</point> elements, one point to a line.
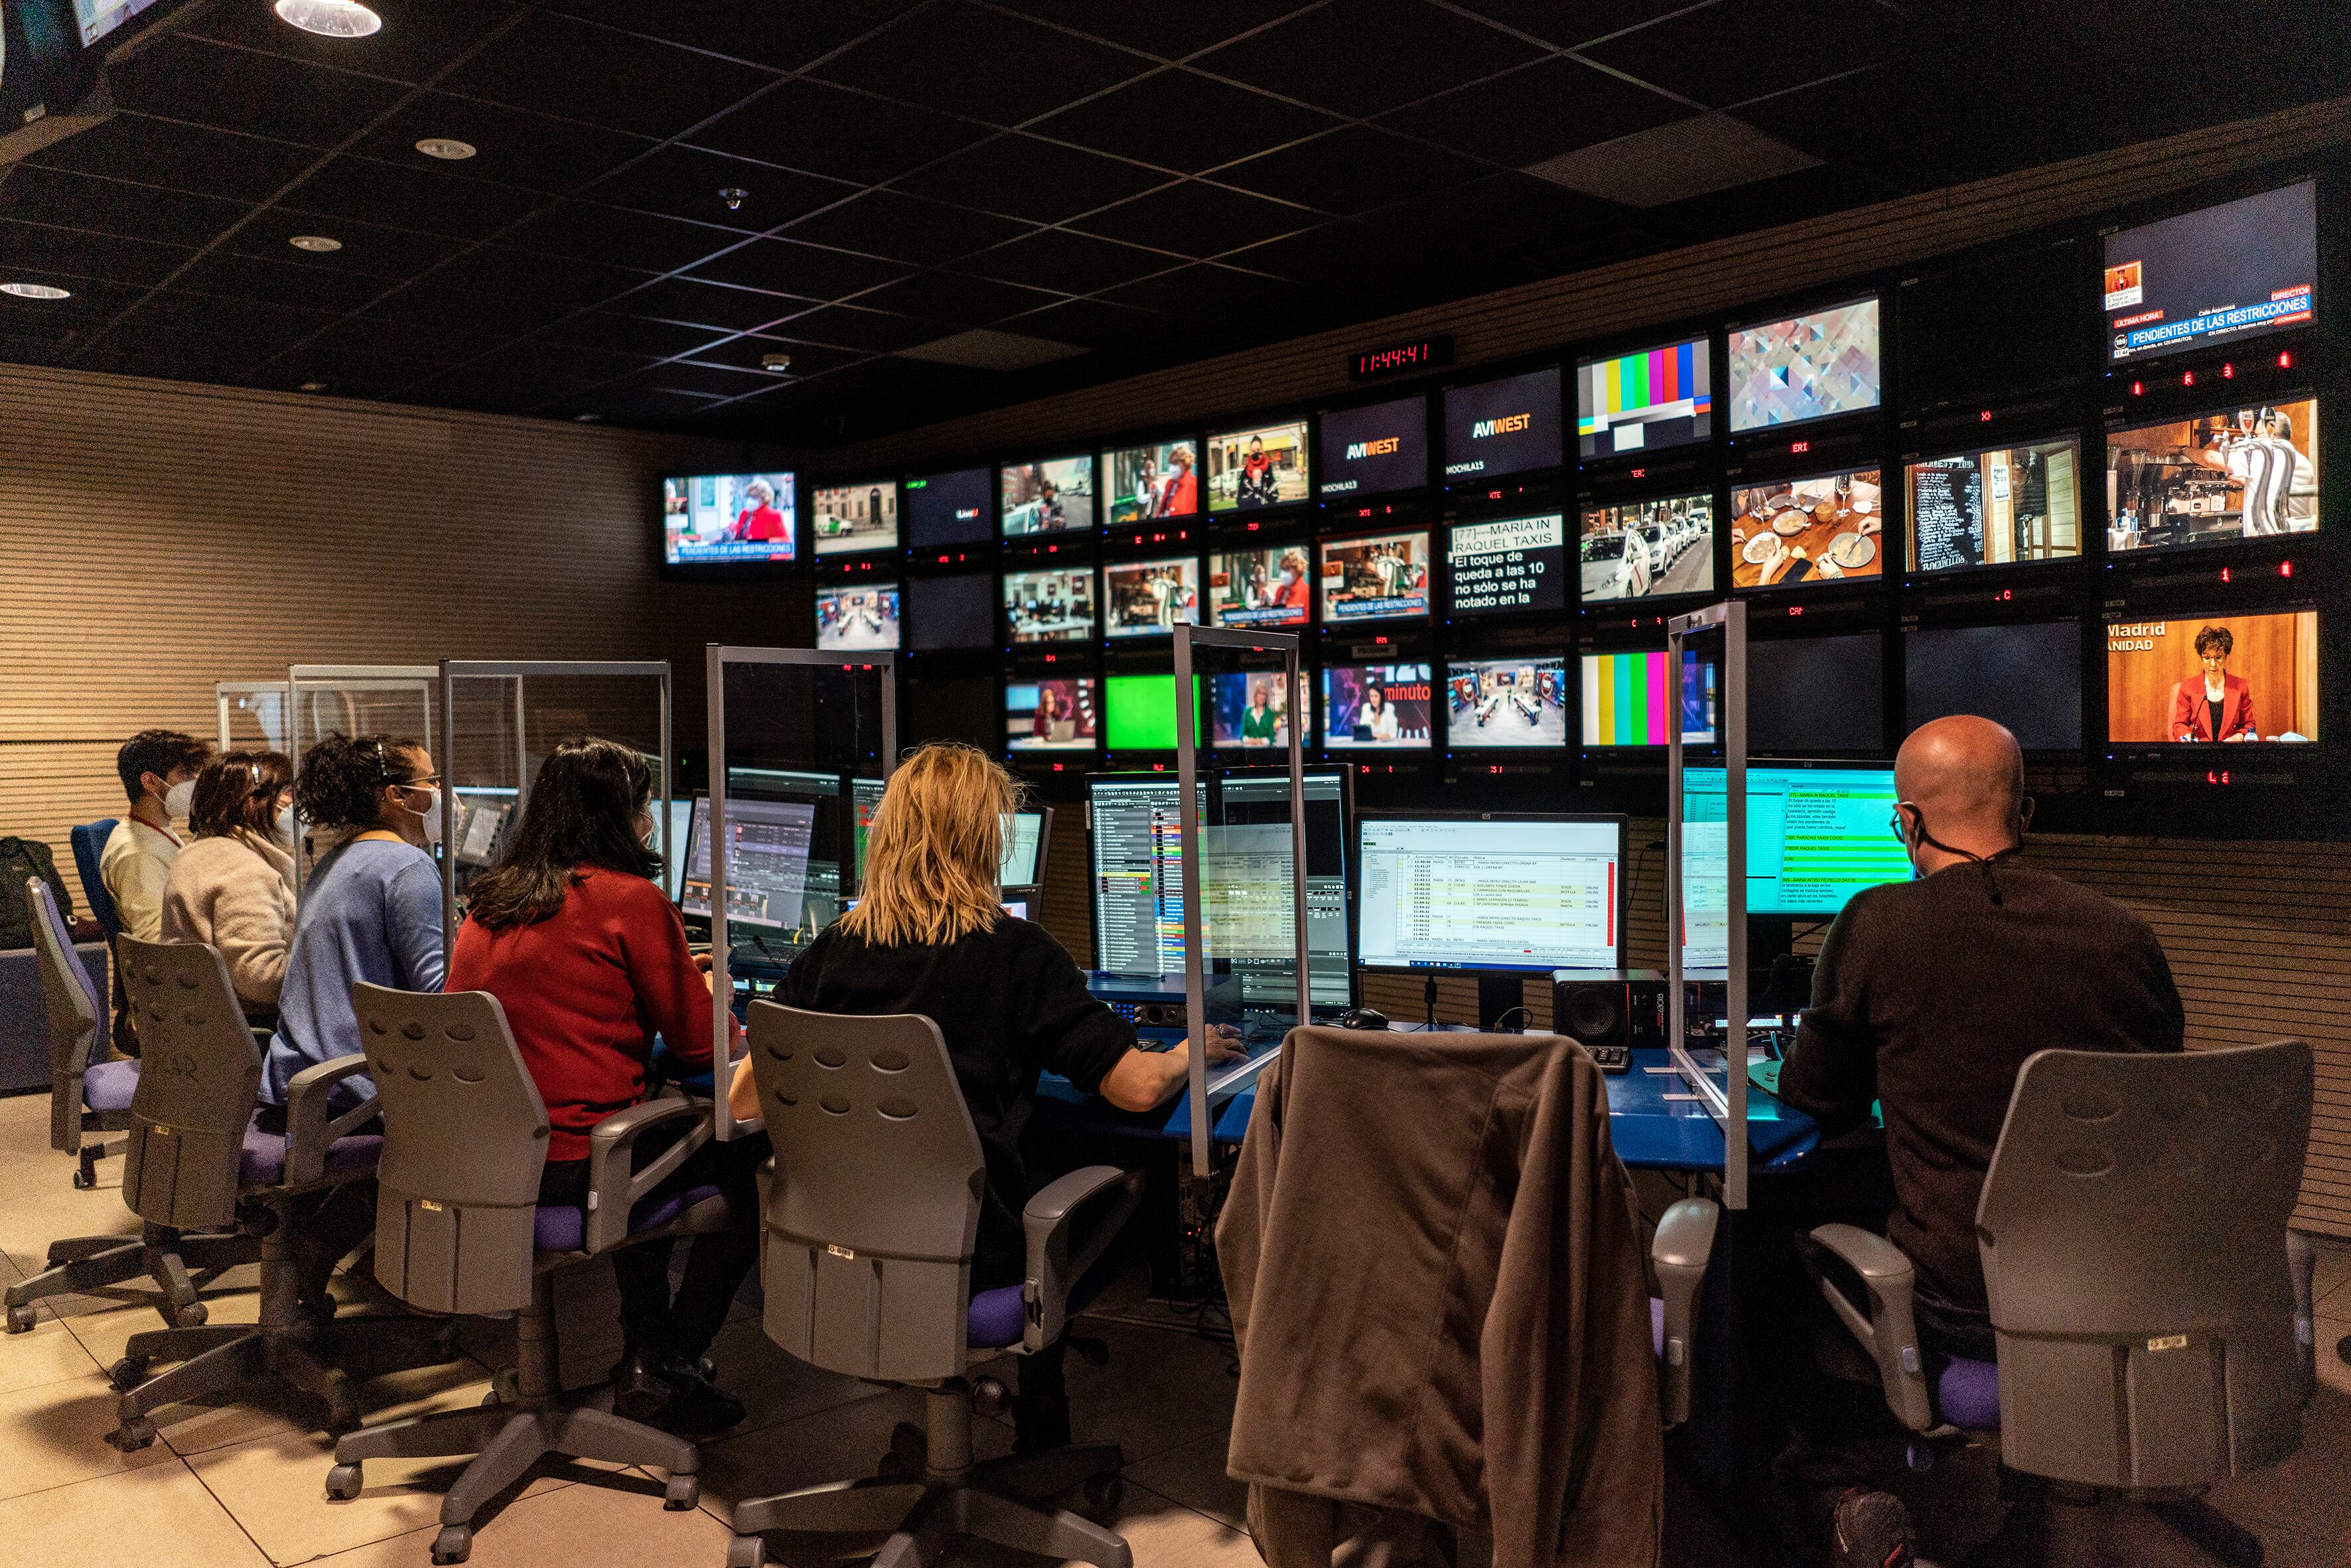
<point>2105,524</point>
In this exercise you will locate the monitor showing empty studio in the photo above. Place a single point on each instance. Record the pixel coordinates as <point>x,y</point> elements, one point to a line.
<point>1527,893</point>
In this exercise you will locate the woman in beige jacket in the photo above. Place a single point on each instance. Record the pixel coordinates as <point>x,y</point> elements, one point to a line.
<point>233,885</point>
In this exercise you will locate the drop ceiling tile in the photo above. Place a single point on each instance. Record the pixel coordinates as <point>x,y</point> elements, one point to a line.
<point>1568,23</point>
<point>186,78</point>
<point>810,272</point>
<point>1182,121</point>
<point>428,199</point>
<point>1068,263</point>
<point>908,228</point>
<point>957,299</point>
<point>1027,177</point>
<point>593,232</point>
<point>34,252</point>
<point>259,323</point>
<point>708,380</point>
<point>1728,53</point>
<point>418,37</point>
<point>502,270</point>
<point>1098,324</point>
<point>1369,55</point>
<point>513,146</point>
<point>631,334</point>
<point>686,183</point>
<point>965,58</point>
<point>367,247</point>
<point>494,317</point>
<point>786,37</point>
<point>828,130</point>
<point>848,327</point>
<point>70,320</point>
<point>1536,114</point>
<point>1198,219</point>
<point>1354,170</point>
<point>36,194</point>
<point>707,305</point>
<point>192,158</point>
<point>1235,301</point>
<point>606,77</point>
<point>224,272</point>
<point>1169,31</point>
<point>807,358</point>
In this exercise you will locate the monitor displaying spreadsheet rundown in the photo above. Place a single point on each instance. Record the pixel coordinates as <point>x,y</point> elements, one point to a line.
<point>1138,890</point>
<point>1491,892</point>
<point>1816,836</point>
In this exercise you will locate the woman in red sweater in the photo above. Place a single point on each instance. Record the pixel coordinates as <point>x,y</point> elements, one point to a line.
<point>589,959</point>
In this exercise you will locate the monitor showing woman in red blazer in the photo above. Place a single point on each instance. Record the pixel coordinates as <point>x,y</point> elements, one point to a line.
<point>2216,705</point>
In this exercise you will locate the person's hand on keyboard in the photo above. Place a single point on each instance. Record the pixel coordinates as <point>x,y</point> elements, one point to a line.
<point>1225,1044</point>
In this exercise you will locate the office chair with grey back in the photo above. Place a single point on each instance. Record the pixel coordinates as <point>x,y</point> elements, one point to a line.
<point>459,1229</point>
<point>869,1232</point>
<point>2150,1307</point>
<point>88,1094</point>
<point>198,1160</point>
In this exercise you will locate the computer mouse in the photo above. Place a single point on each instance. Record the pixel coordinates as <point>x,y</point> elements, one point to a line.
<point>1363,1018</point>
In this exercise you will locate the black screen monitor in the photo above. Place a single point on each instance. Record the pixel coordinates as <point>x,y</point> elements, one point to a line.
<point>951,611</point>
<point>2026,677</point>
<point>1491,892</point>
<point>2243,270</point>
<point>955,508</point>
<point>1812,694</point>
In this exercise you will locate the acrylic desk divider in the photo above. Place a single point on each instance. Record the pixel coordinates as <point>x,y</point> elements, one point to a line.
<point>1237,922</point>
<point>1705,881</point>
<point>252,715</point>
<point>784,721</point>
<point>356,699</point>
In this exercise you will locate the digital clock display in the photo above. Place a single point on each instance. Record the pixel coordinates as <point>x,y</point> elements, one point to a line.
<point>1401,359</point>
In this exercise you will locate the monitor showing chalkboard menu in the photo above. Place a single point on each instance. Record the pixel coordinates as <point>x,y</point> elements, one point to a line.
<point>2003,507</point>
<point>1509,564</point>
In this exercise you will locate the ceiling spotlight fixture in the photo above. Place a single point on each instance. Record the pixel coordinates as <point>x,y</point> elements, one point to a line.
<point>775,362</point>
<point>35,291</point>
<point>329,18</point>
<point>446,148</point>
<point>318,243</point>
<point>314,386</point>
<point>733,196</point>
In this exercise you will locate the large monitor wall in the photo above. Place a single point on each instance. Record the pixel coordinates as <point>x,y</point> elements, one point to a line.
<point>1895,548</point>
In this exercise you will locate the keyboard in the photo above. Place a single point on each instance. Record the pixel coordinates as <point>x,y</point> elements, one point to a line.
<point>1611,1058</point>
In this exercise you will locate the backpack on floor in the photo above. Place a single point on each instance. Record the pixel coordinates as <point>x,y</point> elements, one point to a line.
<point>20,861</point>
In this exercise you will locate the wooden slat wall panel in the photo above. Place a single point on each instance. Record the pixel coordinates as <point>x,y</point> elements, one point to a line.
<point>157,537</point>
<point>1721,275</point>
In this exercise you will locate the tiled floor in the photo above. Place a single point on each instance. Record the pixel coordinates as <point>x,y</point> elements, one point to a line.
<point>242,1486</point>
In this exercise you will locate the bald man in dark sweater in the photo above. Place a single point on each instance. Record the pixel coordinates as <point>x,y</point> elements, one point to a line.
<point>1930,995</point>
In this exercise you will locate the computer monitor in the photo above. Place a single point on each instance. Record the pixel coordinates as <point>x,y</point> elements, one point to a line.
<point>1815,835</point>
<point>1024,835</point>
<point>1138,894</point>
<point>767,862</point>
<point>1491,891</point>
<point>681,825</point>
<point>829,842</point>
<point>483,818</point>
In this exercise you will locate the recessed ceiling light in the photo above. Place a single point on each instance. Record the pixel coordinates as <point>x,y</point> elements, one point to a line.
<point>329,18</point>
<point>733,196</point>
<point>775,362</point>
<point>447,147</point>
<point>35,291</point>
<point>318,243</point>
<point>314,386</point>
<point>584,418</point>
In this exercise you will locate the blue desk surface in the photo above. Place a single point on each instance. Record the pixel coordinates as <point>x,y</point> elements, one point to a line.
<point>1650,1131</point>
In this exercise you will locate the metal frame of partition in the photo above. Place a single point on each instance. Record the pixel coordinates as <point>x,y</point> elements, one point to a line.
<point>1188,774</point>
<point>1726,1101</point>
<point>223,691</point>
<point>717,656</point>
<point>449,672</point>
<point>352,678</point>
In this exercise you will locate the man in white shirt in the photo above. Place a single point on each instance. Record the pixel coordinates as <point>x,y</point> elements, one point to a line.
<point>159,769</point>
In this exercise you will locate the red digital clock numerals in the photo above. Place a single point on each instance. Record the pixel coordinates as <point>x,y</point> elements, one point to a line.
<point>1398,358</point>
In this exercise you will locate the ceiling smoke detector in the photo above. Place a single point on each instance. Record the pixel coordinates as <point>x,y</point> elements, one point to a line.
<point>448,148</point>
<point>35,291</point>
<point>775,362</point>
<point>317,243</point>
<point>329,18</point>
<point>733,196</point>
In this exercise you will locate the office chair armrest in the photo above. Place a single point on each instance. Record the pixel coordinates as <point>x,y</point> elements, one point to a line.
<point>1890,1332</point>
<point>309,1131</point>
<point>613,1189</point>
<point>1104,1196</point>
<point>2302,1262</point>
<point>1679,1253</point>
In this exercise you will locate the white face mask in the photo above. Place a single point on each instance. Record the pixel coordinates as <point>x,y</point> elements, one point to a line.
<point>179,798</point>
<point>287,827</point>
<point>431,814</point>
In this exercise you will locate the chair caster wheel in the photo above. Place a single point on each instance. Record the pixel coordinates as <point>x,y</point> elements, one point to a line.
<point>747,1552</point>
<point>84,1180</point>
<point>988,1397</point>
<point>21,1319</point>
<point>454,1544</point>
<point>126,1373</point>
<point>343,1483</point>
<point>891,1468</point>
<point>134,1434</point>
<point>1106,1492</point>
<point>191,1316</point>
<point>682,1493</point>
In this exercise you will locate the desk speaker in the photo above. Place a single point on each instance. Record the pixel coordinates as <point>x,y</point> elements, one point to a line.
<point>1609,1007</point>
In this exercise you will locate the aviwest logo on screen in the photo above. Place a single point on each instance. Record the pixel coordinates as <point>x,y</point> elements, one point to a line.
<point>1509,424</point>
<point>1383,447</point>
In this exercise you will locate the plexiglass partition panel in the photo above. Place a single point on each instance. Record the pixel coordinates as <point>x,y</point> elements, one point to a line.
<point>1706,905</point>
<point>400,702</point>
<point>1247,967</point>
<point>252,715</point>
<point>802,745</point>
<point>499,721</point>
